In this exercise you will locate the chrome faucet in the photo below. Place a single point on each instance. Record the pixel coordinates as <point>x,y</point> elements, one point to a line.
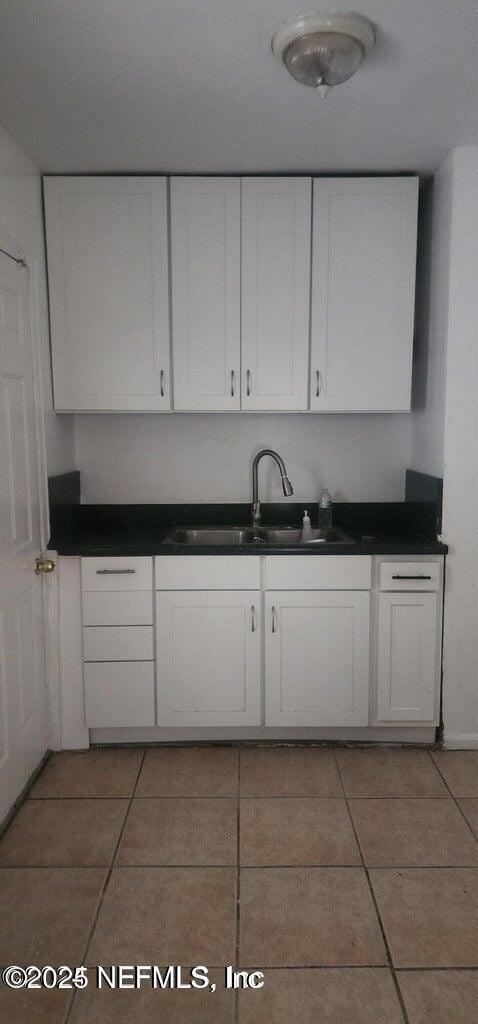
<point>286,484</point>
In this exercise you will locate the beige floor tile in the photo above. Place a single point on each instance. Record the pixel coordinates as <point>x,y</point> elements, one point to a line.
<point>470,810</point>
<point>322,997</point>
<point>302,830</point>
<point>406,833</point>
<point>288,771</point>
<point>89,773</point>
<point>63,833</point>
<point>430,915</point>
<point>154,1006</point>
<point>296,917</point>
<point>167,915</point>
<point>178,831</point>
<point>440,997</point>
<point>189,772</point>
<point>389,773</point>
<point>33,1006</point>
<point>460,770</point>
<point>46,914</point>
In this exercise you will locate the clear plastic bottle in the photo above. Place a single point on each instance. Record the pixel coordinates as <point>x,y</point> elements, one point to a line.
<point>325,510</point>
<point>306,528</point>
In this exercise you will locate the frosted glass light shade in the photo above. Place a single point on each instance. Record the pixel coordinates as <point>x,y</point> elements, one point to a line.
<point>323,50</point>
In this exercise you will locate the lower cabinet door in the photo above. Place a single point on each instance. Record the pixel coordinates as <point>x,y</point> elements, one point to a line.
<point>208,657</point>
<point>408,657</point>
<point>317,658</point>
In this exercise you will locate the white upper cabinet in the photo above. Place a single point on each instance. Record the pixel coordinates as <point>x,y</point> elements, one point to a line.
<point>107,244</point>
<point>363,287</point>
<point>276,225</point>
<point>205,277</point>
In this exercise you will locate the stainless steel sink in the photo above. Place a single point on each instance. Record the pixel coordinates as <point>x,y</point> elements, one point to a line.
<point>281,535</point>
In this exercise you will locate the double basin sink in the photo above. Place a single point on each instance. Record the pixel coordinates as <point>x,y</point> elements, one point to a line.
<point>288,536</point>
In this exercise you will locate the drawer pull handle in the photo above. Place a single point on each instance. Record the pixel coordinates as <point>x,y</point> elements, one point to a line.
<point>419,577</point>
<point>274,620</point>
<point>253,618</point>
<point>115,572</point>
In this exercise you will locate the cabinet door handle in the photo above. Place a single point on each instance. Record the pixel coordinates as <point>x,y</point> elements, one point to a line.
<point>317,386</point>
<point>253,618</point>
<point>274,620</point>
<point>115,572</point>
<point>232,384</point>
<point>161,383</point>
<point>248,382</point>
<point>419,577</point>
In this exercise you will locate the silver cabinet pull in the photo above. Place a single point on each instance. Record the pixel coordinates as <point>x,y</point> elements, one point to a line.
<point>161,383</point>
<point>248,382</point>
<point>115,572</point>
<point>232,384</point>
<point>274,620</point>
<point>317,388</point>
<point>253,618</point>
<point>418,577</point>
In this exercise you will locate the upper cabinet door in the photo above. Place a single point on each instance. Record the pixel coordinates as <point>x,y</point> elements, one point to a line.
<point>276,226</point>
<point>363,289</point>
<point>205,274</point>
<point>107,241</point>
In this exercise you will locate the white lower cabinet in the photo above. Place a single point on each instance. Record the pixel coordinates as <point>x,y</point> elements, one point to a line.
<point>208,666</point>
<point>408,657</point>
<point>317,658</point>
<point>119,693</point>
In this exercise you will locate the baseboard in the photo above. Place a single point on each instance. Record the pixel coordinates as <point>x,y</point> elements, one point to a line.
<point>460,741</point>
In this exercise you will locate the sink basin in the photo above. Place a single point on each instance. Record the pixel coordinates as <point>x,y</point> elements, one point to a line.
<point>227,535</point>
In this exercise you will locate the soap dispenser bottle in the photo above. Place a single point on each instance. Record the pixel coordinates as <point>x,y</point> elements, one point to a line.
<point>325,510</point>
<point>306,528</point>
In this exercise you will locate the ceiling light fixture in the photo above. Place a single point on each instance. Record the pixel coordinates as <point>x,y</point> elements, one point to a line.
<point>323,50</point>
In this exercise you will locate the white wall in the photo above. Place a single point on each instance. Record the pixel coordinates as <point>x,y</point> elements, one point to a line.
<point>208,457</point>
<point>460,521</point>
<point>428,416</point>
<point>21,222</point>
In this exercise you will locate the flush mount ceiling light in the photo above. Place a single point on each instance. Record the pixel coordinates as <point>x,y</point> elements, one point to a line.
<point>323,50</point>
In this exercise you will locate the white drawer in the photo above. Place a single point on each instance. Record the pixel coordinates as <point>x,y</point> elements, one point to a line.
<point>119,693</point>
<point>410,575</point>
<point>318,572</point>
<point>131,608</point>
<point>116,573</point>
<point>118,643</point>
<point>207,572</point>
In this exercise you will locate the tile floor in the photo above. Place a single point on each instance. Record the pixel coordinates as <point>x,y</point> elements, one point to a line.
<point>350,876</point>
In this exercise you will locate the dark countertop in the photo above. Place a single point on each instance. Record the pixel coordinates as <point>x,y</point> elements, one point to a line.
<point>394,528</point>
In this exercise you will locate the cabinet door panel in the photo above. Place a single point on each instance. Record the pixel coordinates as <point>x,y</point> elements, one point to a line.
<point>363,287</point>
<point>317,658</point>
<point>408,657</point>
<point>275,292</point>
<point>205,273</point>
<point>107,241</point>
<point>208,657</point>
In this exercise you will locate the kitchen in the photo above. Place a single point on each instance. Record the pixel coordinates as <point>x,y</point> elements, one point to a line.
<point>239,559</point>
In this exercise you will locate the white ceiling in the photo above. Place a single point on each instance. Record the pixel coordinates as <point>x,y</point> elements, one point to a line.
<point>192,86</point>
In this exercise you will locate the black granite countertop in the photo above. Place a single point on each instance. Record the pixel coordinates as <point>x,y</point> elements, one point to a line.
<point>376,528</point>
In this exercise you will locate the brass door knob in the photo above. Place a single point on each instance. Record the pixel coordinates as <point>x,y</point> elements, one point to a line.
<point>44,565</point>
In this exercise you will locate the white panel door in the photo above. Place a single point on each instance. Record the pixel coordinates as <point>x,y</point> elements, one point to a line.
<point>205,282</point>
<point>208,657</point>
<point>276,225</point>
<point>23,720</point>
<point>107,241</point>
<point>317,658</point>
<point>408,657</point>
<point>363,289</point>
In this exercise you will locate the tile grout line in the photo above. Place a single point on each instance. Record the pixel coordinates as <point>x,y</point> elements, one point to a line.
<point>372,894</point>
<point>454,798</point>
<point>106,882</point>
<point>235,1013</point>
